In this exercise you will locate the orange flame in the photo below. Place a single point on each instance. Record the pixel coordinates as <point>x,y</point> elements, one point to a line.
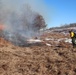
<point>2,27</point>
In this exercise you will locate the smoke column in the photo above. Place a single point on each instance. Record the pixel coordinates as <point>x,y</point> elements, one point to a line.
<point>17,21</point>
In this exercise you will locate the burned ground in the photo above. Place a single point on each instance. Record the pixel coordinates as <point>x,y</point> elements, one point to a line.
<point>38,59</point>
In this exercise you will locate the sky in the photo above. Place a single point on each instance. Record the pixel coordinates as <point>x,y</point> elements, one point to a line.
<point>64,12</point>
<point>55,12</point>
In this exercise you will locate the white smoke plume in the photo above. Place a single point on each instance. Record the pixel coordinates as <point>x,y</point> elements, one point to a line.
<point>17,21</point>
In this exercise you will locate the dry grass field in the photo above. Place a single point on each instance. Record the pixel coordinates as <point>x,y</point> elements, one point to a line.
<point>57,58</point>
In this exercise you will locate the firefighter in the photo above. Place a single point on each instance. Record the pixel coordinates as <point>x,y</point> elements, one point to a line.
<point>73,37</point>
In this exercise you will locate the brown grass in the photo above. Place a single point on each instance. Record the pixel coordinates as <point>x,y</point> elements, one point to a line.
<point>38,60</point>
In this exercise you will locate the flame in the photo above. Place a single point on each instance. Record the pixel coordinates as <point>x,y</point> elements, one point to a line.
<point>2,27</point>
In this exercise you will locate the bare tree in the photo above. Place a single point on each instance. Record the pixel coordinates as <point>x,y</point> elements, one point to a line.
<point>39,22</point>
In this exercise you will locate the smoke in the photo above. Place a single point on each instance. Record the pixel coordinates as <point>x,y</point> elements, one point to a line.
<point>18,22</point>
<point>39,6</point>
